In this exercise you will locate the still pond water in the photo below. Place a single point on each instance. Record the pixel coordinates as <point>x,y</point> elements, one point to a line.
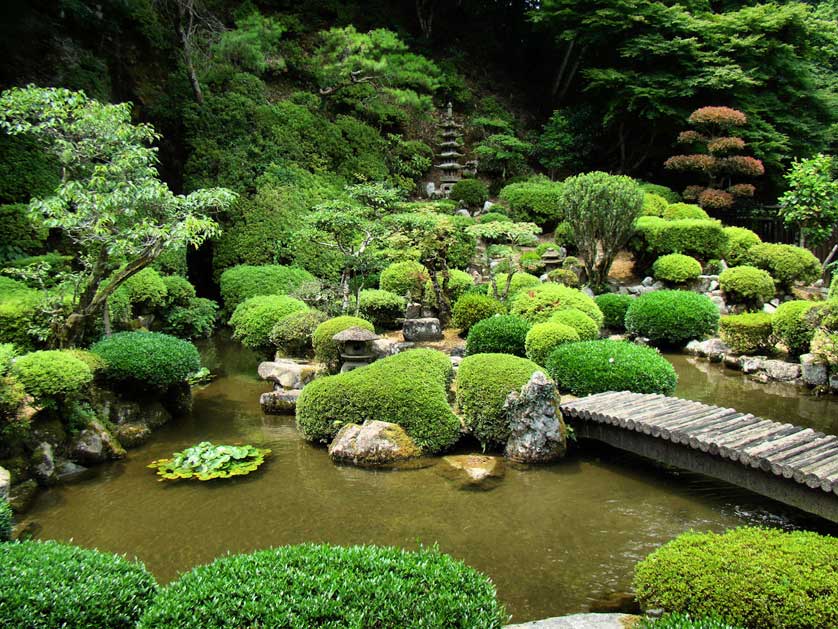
<point>556,539</point>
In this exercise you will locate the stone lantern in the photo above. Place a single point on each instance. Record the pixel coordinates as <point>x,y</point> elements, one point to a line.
<point>356,347</point>
<point>552,259</point>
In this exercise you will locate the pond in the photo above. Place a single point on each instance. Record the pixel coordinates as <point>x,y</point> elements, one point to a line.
<point>556,539</point>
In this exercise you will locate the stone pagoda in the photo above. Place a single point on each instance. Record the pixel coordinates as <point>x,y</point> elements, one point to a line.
<point>449,152</point>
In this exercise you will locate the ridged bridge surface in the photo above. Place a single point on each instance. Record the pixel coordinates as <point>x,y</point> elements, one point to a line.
<point>785,450</point>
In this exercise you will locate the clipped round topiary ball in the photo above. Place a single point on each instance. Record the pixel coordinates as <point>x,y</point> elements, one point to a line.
<point>567,277</point>
<point>381,307</point>
<point>44,585</point>
<point>787,264</point>
<point>52,376</point>
<point>543,338</point>
<point>326,350</point>
<point>501,334</point>
<point>474,307</point>
<point>520,281</point>
<point>676,268</point>
<point>179,291</point>
<point>292,334</point>
<point>255,317</point>
<point>585,327</point>
<point>678,211</point>
<point>613,307</point>
<point>672,317</point>
<point>748,333</point>
<point>746,285</point>
<point>244,281</point>
<point>791,326</point>
<point>597,366</point>
<point>406,279</point>
<point>537,304</point>
<point>470,192</point>
<point>147,359</point>
<point>739,243</point>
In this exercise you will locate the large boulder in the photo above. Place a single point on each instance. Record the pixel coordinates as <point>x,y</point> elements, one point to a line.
<point>537,431</point>
<point>422,330</point>
<point>279,402</point>
<point>5,482</point>
<point>288,374</point>
<point>42,464</point>
<point>781,371</point>
<point>132,434</point>
<point>95,445</point>
<point>373,443</point>
<point>152,413</point>
<point>473,471</point>
<point>815,371</point>
<point>715,349</point>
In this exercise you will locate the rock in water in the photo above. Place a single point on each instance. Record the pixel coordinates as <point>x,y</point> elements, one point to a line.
<point>288,374</point>
<point>373,443</point>
<point>425,329</point>
<point>133,434</point>
<point>473,471</point>
<point>96,445</point>
<point>537,430</point>
<point>281,402</point>
<point>815,371</point>
<point>42,464</point>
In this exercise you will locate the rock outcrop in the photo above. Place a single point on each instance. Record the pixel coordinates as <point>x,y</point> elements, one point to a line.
<point>373,443</point>
<point>537,430</point>
<point>422,330</point>
<point>5,483</point>
<point>95,445</point>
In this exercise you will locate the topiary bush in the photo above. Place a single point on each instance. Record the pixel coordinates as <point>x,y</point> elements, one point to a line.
<point>787,264</point>
<point>147,359</point>
<point>315,585</point>
<point>501,334</point>
<point>653,205</point>
<point>564,276</point>
<point>748,333</point>
<point>459,282</point>
<point>537,304</point>
<point>474,307</point>
<point>483,383</point>
<point>753,577</point>
<point>585,327</point>
<point>739,243</point>
<point>146,289</point>
<point>667,193</point>
<point>244,281</point>
<point>520,281</point>
<point>194,320</point>
<point>676,268</point>
<point>381,307</point>
<point>597,366</point>
<point>543,338</point>
<point>406,279</point>
<point>409,389</point>
<point>179,291</point>
<point>679,211</point>
<point>613,307</point>
<point>52,377</point>
<point>255,317</point>
<point>472,193</point>
<point>672,317</point>
<point>791,326</point>
<point>18,312</point>
<point>746,285</point>
<point>292,334</point>
<point>534,201</point>
<point>6,521</point>
<point>496,217</point>
<point>702,239</point>
<point>325,349</point>
<point>44,585</point>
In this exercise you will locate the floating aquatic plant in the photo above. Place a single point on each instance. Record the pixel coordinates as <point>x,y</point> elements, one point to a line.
<point>206,461</point>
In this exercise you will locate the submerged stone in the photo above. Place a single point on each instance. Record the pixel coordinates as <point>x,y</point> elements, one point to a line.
<point>132,435</point>
<point>279,402</point>
<point>537,431</point>
<point>373,443</point>
<point>42,464</point>
<point>22,495</point>
<point>473,471</point>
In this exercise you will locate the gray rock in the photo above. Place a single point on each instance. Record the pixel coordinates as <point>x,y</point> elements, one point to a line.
<point>152,413</point>
<point>462,212</point>
<point>642,340</point>
<point>487,206</point>
<point>95,445</point>
<point>781,371</point>
<point>132,434</point>
<point>732,361</point>
<point>430,189</point>
<point>5,482</point>
<point>279,402</point>
<point>818,284</point>
<point>775,302</point>
<point>22,495</point>
<point>413,311</point>
<point>289,374</point>
<point>720,303</point>
<point>384,347</point>
<point>579,621</point>
<point>587,290</point>
<point>815,371</point>
<point>425,329</point>
<point>658,286</point>
<point>714,349</point>
<point>42,464</point>
<point>833,384</point>
<point>647,281</point>
<point>714,285</point>
<point>537,431</point>
<point>373,443</point>
<point>472,471</point>
<point>769,308</point>
<point>751,364</point>
<point>455,361</point>
<point>67,470</point>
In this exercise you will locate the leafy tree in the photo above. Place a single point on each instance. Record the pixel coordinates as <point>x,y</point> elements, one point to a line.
<point>812,198</point>
<point>556,144</point>
<point>515,235</point>
<point>503,155</point>
<point>110,203</point>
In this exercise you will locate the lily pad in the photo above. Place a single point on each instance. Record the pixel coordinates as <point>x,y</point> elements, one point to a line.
<point>206,461</point>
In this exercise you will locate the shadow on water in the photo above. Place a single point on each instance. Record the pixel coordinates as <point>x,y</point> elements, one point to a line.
<point>555,539</point>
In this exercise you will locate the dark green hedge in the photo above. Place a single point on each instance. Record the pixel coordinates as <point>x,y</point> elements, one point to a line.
<point>502,334</point>
<point>147,359</point>
<point>613,307</point>
<point>672,316</point>
<point>241,282</point>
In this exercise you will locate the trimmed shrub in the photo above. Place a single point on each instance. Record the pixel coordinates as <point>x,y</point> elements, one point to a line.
<point>501,334</point>
<point>753,577</point>
<point>244,281</point>
<point>47,584</point>
<point>7,353</point>
<point>564,276</point>
<point>409,389</point>
<point>325,349</point>
<point>146,289</point>
<point>179,291</point>
<point>317,585</point>
<point>406,279</point>
<point>678,211</point>
<point>667,193</point>
<point>53,376</point>
<point>381,307</point>
<point>787,264</point>
<point>597,366</point>
<point>520,281</point>
<point>6,520</point>
<point>13,425</point>
<point>292,334</point>
<point>474,307</point>
<point>531,261</point>
<point>534,201</point>
<point>543,338</point>
<point>746,285</point>
<point>496,217</point>
<point>18,309</point>
<point>749,333</point>
<point>471,193</point>
<point>699,238</point>
<point>684,621</point>
<point>653,205</point>
<point>483,383</point>
<point>585,327</point>
<point>791,326</point>
<point>255,317</point>
<point>458,283</point>
<point>833,287</point>
<point>676,268</point>
<point>539,303</point>
<point>672,317</point>
<point>739,243</point>
<point>613,307</point>
<point>147,359</point>
<point>194,320</point>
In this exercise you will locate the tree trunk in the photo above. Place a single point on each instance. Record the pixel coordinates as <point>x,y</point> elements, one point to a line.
<point>187,53</point>
<point>425,14</point>
<point>344,289</point>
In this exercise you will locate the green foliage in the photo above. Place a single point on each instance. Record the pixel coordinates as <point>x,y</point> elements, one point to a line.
<point>672,317</point>
<point>503,155</point>
<point>749,333</point>
<point>750,576</point>
<point>474,307</point>
<point>7,353</point>
<point>811,200</point>
<point>543,338</point>
<point>746,285</point>
<point>147,359</point>
<point>47,584</point>
<point>556,145</point>
<point>520,281</point>
<point>21,234</point>
<point>833,288</point>
<point>585,327</point>
<point>483,383</point>
<point>381,307</point>
<point>680,211</point>
<point>387,588</point>
<point>592,367</point>
<point>459,282</point>
<point>564,276</point>
<point>146,289</point>
<point>292,334</point>
<point>539,303</point>
<point>52,376</point>
<point>500,334</point>
<point>472,193</point>
<point>255,317</point>
<point>668,194</point>
<point>464,247</point>
<point>27,169</point>
<point>13,424</point>
<point>194,320</point>
<point>495,217</point>
<point>179,291</point>
<point>684,621</point>
<point>326,350</point>
<point>787,264</point>
<point>408,161</point>
<point>6,522</point>
<point>535,201</point>
<point>739,243</point>
<point>409,389</point>
<point>653,205</point>
<point>18,313</point>
<point>613,307</point>
<point>520,234</point>
<point>702,239</point>
<point>244,281</point>
<point>791,325</point>
<point>676,268</point>
<point>206,461</point>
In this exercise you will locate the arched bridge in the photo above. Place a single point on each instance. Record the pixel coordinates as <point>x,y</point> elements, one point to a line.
<point>793,465</point>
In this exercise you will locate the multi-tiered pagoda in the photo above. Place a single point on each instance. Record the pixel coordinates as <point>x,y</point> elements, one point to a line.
<point>449,152</point>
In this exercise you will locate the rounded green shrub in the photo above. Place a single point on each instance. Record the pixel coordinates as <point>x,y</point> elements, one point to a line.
<point>471,193</point>
<point>520,281</point>
<point>18,312</point>
<point>787,264</point>
<point>325,349</point>
<point>543,338</point>
<point>146,289</point>
<point>7,353</point>
<point>746,285</point>
<point>592,367</point>
<point>147,359</point>
<point>381,307</point>
<point>684,621</point>
<point>613,307</point>
<point>678,211</point>
<point>752,577</point>
<point>406,279</point>
<point>702,239</point>
<point>564,276</point>
<point>676,268</point>
<point>6,520</point>
<point>495,217</point>
<point>672,317</point>
<point>531,261</point>
<point>292,334</point>
<point>458,283</point>
<point>537,304</point>
<point>196,319</point>
<point>179,291</point>
<point>483,383</point>
<point>255,317</point>
<point>474,307</point>
<point>535,201</point>
<point>748,333</point>
<point>653,205</point>
<point>44,585</point>
<point>667,193</point>
<point>739,243</point>
<point>409,389</point>
<point>318,585</point>
<point>244,281</point>
<point>791,326</point>
<point>585,327</point>
<point>52,376</point>
<point>501,334</point>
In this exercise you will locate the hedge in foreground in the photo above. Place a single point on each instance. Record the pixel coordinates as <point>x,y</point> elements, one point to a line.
<point>748,333</point>
<point>613,307</point>
<point>787,264</point>
<point>147,359</point>
<point>672,316</point>
<point>757,578</point>
<point>579,321</point>
<point>6,520</point>
<point>676,268</point>
<point>52,376</point>
<point>746,285</point>
<point>315,585</point>
<point>597,366</point>
<point>792,327</point>
<point>44,585</point>
<point>543,338</point>
<point>684,621</point>
<point>502,334</point>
